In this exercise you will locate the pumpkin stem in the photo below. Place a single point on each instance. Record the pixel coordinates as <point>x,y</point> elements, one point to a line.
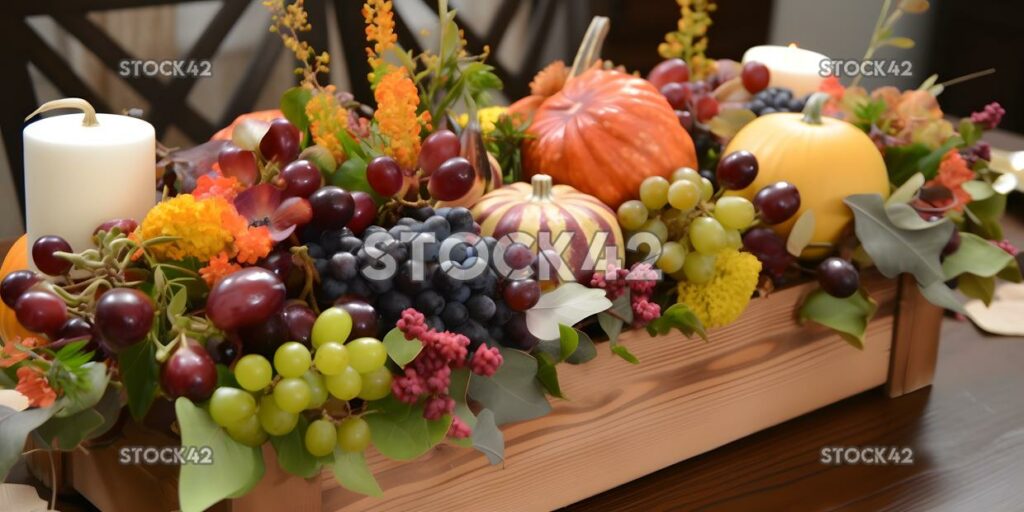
<point>541,187</point>
<point>812,110</point>
<point>590,48</point>
<point>79,103</point>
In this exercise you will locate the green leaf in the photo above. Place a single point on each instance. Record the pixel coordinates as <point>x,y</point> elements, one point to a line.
<point>1011,273</point>
<point>895,250</point>
<point>140,375</point>
<point>457,388</point>
<point>585,351</point>
<point>487,437</point>
<point>621,306</point>
<point>568,339</point>
<point>352,472</point>
<point>611,325</point>
<point>729,121</point>
<point>110,408</point>
<point>984,217</point>
<point>547,374</point>
<point>906,191</point>
<point>234,469</point>
<point>15,427</point>
<point>801,234</point>
<point>513,393</point>
<point>401,350</point>
<point>352,176</point>
<point>977,287</point>
<point>71,430</point>
<point>975,256</point>
<point>902,162</point>
<point>400,431</point>
<point>678,316</point>
<point>929,165</point>
<point>905,43</point>
<point>849,316</point>
<point>624,353</point>
<point>291,452</point>
<point>979,190</point>
<point>293,106</point>
<point>226,378</point>
<point>89,386</point>
<point>939,294</point>
<point>970,132</point>
<point>904,216</point>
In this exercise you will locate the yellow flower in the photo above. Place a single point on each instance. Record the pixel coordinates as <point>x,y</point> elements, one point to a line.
<point>327,119</point>
<point>720,301</point>
<point>397,99</point>
<point>380,31</point>
<point>487,117</point>
<point>205,227</point>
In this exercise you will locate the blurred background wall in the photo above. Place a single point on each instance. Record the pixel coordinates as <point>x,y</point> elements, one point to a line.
<point>954,38</point>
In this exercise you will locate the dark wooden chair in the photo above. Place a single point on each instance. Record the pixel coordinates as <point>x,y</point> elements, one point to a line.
<point>21,46</point>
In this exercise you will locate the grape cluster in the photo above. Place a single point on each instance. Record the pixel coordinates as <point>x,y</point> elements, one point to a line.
<point>341,367</point>
<point>448,175</point>
<point>775,99</point>
<point>430,260</point>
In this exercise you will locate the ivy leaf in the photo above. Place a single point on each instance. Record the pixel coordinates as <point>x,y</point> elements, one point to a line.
<point>567,304</point>
<point>975,256</point>
<point>401,350</point>
<point>235,467</point>
<point>585,351</point>
<point>292,455</point>
<point>352,472</point>
<point>140,375</point>
<point>977,287</point>
<point>400,431</point>
<point>293,106</point>
<point>547,374</point>
<point>801,234</point>
<point>849,316</point>
<point>15,427</point>
<point>69,431</point>
<point>678,316</point>
<point>513,393</point>
<point>895,250</point>
<point>906,191</point>
<point>488,438</point>
<point>729,121</point>
<point>940,295</point>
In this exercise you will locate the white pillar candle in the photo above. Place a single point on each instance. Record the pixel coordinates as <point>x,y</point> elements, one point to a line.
<point>790,67</point>
<point>78,175</point>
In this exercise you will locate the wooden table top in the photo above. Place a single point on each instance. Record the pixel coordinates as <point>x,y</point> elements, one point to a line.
<point>966,433</point>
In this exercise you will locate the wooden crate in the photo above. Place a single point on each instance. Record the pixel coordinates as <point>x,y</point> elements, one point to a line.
<point>620,421</point>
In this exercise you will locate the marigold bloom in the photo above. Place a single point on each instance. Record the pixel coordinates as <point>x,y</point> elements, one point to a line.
<point>397,100</point>
<point>327,119</point>
<point>953,173</point>
<point>380,30</point>
<point>32,383</point>
<point>199,225</point>
<point>720,301</point>
<point>226,187</point>
<point>12,354</point>
<point>219,267</point>
<point>253,244</point>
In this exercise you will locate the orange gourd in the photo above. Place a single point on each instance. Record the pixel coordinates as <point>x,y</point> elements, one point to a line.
<point>16,259</point>
<point>605,131</point>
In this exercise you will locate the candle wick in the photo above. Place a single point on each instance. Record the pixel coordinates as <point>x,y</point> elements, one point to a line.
<point>75,103</point>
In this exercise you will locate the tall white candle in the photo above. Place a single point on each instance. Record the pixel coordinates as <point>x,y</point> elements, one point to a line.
<point>790,67</point>
<point>78,176</point>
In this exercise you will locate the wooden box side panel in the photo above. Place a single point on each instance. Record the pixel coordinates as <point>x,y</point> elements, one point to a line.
<point>624,421</point>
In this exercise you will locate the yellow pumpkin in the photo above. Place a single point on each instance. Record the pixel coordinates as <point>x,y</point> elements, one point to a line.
<point>825,158</point>
<point>16,259</point>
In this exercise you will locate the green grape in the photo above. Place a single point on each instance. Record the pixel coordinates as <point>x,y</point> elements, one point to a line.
<point>654,192</point>
<point>733,239</point>
<point>672,256</point>
<point>699,268</point>
<point>376,384</point>
<point>334,324</point>
<point>707,235</point>
<point>253,372</point>
<point>248,431</point>
<point>317,389</point>
<point>366,354</point>
<point>683,195</point>
<point>321,437</point>
<point>273,419</point>
<point>687,174</point>
<point>707,189</point>
<point>292,395</point>
<point>657,228</point>
<point>292,359</point>
<point>346,385</point>
<point>734,212</point>
<point>353,434</point>
<point>632,214</point>
<point>331,358</point>
<point>231,405</point>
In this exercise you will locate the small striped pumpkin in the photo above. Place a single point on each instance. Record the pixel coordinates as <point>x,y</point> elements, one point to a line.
<point>539,207</point>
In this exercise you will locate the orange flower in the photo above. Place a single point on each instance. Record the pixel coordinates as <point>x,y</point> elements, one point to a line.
<point>253,244</point>
<point>953,173</point>
<point>32,383</point>
<point>219,267</point>
<point>327,119</point>
<point>833,87</point>
<point>217,186</point>
<point>12,355</point>
<point>380,31</point>
<point>397,99</point>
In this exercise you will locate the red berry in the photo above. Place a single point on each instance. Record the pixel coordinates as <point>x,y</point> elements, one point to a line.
<point>737,170</point>
<point>301,178</point>
<point>41,311</point>
<point>189,372</point>
<point>668,71</point>
<point>437,148</point>
<point>707,107</point>
<point>678,95</point>
<point>44,255</point>
<point>755,77</point>
<point>385,176</point>
<point>124,317</point>
<point>777,202</point>
<point>281,142</point>
<point>522,294</point>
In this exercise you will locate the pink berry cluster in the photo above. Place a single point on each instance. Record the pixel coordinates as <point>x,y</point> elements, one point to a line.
<point>640,280</point>
<point>1007,246</point>
<point>429,375</point>
<point>990,116</point>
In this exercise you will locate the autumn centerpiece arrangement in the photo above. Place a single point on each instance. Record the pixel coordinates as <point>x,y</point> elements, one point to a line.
<point>332,275</point>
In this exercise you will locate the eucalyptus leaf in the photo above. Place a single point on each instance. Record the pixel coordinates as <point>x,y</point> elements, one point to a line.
<point>292,455</point>
<point>488,438</point>
<point>567,304</point>
<point>400,431</point>
<point>234,468</point>
<point>547,374</point>
<point>984,217</point>
<point>140,375</point>
<point>975,256</point>
<point>69,431</point>
<point>352,472</point>
<point>906,217</point>
<point>622,307</point>
<point>848,316</point>
<point>940,295</point>
<point>906,191</point>
<point>513,392</point>
<point>401,350</point>
<point>15,427</point>
<point>585,351</point>
<point>611,325</point>
<point>893,249</point>
<point>801,234</point>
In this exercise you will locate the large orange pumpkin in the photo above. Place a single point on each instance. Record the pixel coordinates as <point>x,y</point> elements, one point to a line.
<point>604,131</point>
<point>16,259</point>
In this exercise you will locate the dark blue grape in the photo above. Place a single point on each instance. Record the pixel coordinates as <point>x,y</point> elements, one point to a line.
<point>461,220</point>
<point>315,251</point>
<point>443,211</point>
<point>476,333</point>
<point>358,287</point>
<point>330,241</point>
<point>392,303</point>
<point>517,335</point>
<point>351,244</point>
<point>438,226</point>
<point>435,323</point>
<point>344,266</point>
<point>421,214</point>
<point>502,313</point>
<point>331,289</point>
<point>429,302</point>
<point>397,230</point>
<point>481,307</point>
<point>380,286</point>
<point>407,221</point>
<point>497,333</point>
<point>460,294</point>
<point>454,314</point>
<point>405,278</point>
<point>322,266</point>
